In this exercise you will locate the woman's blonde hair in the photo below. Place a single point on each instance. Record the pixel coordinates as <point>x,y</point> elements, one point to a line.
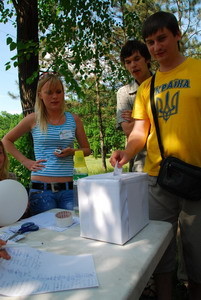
<point>4,170</point>
<point>40,109</point>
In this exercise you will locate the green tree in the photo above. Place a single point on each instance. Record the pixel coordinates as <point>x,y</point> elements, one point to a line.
<point>27,46</point>
<point>80,38</point>
<point>88,112</point>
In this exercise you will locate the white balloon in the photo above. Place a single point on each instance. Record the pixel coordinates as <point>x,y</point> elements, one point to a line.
<point>13,201</point>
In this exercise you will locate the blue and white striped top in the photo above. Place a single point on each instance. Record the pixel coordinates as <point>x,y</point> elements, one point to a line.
<point>45,143</point>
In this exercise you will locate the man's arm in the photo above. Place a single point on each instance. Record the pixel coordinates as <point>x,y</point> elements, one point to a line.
<point>124,110</point>
<point>127,127</point>
<point>136,142</point>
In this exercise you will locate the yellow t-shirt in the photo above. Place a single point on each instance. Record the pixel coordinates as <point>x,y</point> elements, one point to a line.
<point>178,102</point>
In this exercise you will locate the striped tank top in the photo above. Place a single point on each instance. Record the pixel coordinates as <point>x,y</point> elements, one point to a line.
<point>45,143</point>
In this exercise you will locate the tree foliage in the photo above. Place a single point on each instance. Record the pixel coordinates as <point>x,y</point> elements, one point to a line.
<point>88,112</point>
<point>7,122</point>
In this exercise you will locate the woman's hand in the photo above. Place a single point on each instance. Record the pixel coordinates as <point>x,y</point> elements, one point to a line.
<point>3,253</point>
<point>34,165</point>
<point>65,152</point>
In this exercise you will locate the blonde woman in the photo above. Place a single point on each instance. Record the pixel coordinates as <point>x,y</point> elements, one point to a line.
<point>4,163</point>
<point>54,132</point>
<point>4,174</point>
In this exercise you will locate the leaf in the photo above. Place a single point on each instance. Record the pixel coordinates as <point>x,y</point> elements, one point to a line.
<point>8,67</point>
<point>13,46</point>
<point>9,40</point>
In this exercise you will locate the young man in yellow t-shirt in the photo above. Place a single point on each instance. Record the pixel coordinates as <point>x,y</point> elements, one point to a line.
<point>177,98</point>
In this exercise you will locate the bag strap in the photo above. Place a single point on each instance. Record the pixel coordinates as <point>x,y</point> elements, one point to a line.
<point>155,116</point>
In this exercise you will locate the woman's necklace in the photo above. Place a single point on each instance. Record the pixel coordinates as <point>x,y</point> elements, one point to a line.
<point>53,122</point>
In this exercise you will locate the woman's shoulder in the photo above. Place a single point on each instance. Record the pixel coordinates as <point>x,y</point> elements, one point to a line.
<point>26,123</point>
<point>72,116</point>
<point>31,119</point>
<point>31,116</point>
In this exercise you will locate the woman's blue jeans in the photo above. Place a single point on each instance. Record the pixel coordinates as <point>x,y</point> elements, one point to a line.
<point>42,200</point>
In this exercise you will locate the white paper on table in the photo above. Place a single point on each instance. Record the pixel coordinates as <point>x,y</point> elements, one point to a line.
<point>43,220</point>
<point>5,236</point>
<point>32,271</point>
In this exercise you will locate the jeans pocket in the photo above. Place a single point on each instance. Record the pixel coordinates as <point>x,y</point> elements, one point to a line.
<point>35,196</point>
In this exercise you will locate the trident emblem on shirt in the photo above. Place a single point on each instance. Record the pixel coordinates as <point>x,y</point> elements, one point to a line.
<point>170,107</point>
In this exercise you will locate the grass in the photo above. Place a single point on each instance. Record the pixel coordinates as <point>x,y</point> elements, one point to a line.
<point>94,165</point>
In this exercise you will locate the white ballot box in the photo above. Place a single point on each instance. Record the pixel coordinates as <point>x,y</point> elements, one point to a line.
<point>113,208</point>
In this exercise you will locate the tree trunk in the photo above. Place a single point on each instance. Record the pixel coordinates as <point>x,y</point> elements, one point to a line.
<point>103,152</point>
<point>27,51</point>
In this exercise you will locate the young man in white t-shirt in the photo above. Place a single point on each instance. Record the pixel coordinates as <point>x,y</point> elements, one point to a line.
<point>136,58</point>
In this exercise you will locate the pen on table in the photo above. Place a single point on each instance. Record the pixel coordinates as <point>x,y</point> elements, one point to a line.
<point>15,245</point>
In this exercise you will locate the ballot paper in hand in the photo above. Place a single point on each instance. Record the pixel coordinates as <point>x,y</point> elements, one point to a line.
<point>32,271</point>
<point>117,171</point>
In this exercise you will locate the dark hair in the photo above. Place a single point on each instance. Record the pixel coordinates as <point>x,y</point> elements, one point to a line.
<point>131,47</point>
<point>159,20</point>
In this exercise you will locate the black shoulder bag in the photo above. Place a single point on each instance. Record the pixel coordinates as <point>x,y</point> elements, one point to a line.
<point>176,176</point>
